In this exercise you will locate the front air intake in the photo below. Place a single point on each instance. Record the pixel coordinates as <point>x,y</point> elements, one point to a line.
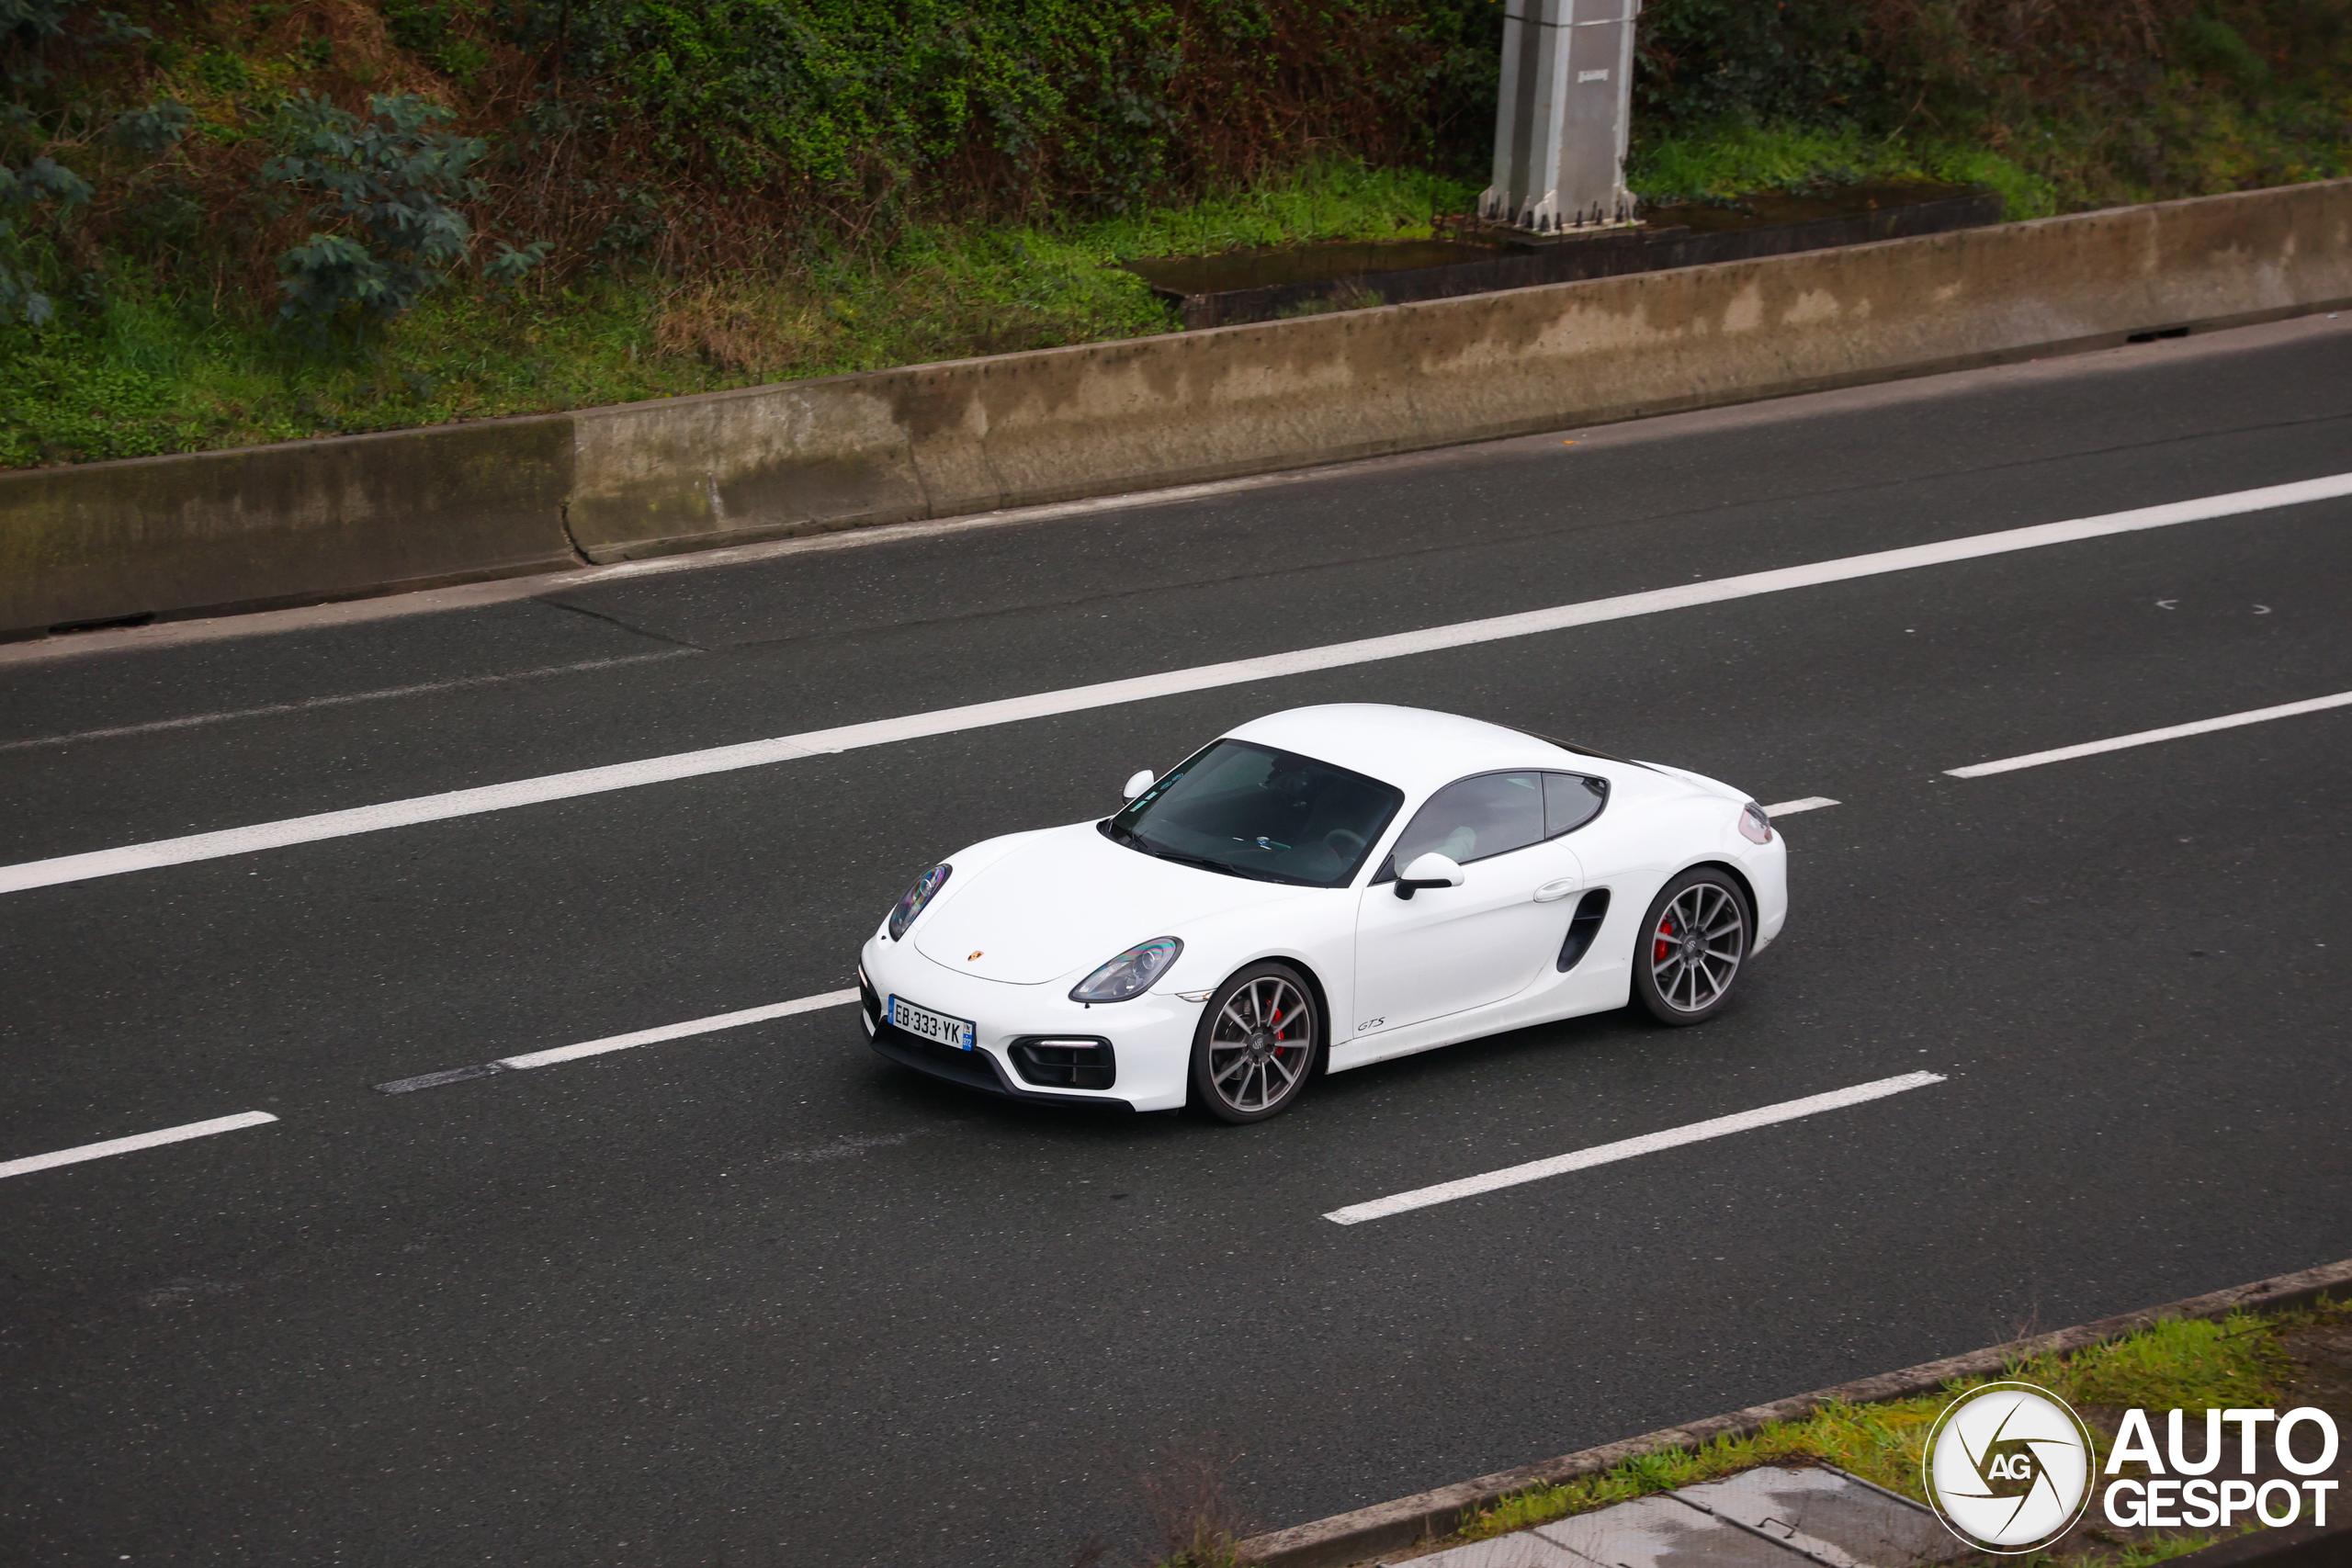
<point>1052,1061</point>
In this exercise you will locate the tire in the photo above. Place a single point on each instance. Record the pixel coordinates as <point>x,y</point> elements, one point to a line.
<point>1238,1061</point>
<point>1691,946</point>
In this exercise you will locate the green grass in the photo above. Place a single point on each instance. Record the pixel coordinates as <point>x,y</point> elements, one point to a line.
<point>2237,1362</point>
<point>1736,158</point>
<point>143,373</point>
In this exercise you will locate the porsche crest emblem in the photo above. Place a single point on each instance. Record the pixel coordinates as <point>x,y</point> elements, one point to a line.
<point>975,953</point>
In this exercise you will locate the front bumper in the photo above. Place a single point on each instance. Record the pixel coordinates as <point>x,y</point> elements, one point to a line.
<point>1151,1036</point>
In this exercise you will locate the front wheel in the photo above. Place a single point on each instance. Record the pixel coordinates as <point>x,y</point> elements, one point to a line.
<point>1691,947</point>
<point>1255,1045</point>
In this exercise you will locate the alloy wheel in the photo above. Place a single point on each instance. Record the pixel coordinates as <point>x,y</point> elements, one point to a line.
<point>1261,1043</point>
<point>1696,949</point>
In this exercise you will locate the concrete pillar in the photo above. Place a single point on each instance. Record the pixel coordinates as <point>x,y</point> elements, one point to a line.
<point>1566,104</point>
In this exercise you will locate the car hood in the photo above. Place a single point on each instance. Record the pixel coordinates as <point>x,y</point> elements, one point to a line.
<point>1071,899</point>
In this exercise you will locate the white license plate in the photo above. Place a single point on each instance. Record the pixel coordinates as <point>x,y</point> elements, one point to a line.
<point>930,1025</point>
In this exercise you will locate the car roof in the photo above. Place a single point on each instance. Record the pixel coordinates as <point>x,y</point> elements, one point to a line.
<point>1417,750</point>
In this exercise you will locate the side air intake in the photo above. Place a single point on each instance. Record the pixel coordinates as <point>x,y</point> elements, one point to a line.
<point>1583,927</point>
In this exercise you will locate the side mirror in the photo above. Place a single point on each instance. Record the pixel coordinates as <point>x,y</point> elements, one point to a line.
<point>1431,869</point>
<point>1136,786</point>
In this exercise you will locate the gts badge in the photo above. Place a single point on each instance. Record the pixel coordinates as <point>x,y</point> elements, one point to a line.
<point>1370,1023</point>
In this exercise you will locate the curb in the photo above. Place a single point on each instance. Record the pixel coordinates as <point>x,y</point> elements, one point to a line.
<point>1350,1538</point>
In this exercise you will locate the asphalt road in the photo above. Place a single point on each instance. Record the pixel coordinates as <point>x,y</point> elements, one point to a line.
<point>755,1298</point>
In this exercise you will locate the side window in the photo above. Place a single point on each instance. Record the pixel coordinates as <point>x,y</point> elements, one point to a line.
<point>1489,815</point>
<point>1571,800</point>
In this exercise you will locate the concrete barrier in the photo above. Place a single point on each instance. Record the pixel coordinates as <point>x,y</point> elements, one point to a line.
<point>301,522</point>
<point>941,440</point>
<point>313,520</point>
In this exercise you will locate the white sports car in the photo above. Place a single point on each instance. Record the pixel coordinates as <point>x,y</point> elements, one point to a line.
<point>1320,889</point>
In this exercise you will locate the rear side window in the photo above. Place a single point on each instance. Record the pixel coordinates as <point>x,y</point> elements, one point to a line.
<point>1571,800</point>
<point>1493,814</point>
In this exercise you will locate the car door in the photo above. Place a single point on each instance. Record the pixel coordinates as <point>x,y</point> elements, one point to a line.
<point>1446,950</point>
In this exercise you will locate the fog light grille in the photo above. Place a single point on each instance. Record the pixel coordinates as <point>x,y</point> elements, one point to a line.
<point>1053,1061</point>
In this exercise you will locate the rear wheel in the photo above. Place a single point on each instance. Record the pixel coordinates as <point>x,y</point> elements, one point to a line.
<point>1255,1045</point>
<point>1691,947</point>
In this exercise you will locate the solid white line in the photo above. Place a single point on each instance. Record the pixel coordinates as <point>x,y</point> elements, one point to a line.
<point>1674,1137</point>
<point>462,683</point>
<point>2149,737</point>
<point>1108,694</point>
<point>142,1141</point>
<point>1790,807</point>
<point>677,1030</point>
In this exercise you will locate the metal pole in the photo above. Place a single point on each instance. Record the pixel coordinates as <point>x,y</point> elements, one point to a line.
<point>1563,116</point>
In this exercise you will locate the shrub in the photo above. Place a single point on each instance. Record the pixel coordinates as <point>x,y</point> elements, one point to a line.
<point>388,182</point>
<point>42,185</point>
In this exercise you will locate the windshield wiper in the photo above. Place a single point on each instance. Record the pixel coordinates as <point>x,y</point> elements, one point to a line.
<point>1141,845</point>
<point>1247,872</point>
<point>1136,842</point>
<point>1264,873</point>
<point>1181,858</point>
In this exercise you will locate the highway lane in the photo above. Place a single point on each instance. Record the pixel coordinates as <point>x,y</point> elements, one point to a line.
<point>837,636</point>
<point>752,1298</point>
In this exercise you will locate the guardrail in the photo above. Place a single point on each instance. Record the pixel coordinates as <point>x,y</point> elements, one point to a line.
<point>348,516</point>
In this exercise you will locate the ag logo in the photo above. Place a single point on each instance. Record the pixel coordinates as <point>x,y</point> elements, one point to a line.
<point>2009,1467</point>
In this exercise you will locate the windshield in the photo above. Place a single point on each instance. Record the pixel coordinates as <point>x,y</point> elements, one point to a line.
<point>1253,811</point>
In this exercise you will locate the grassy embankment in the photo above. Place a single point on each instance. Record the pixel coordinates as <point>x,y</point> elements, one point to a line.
<point>698,238</point>
<point>2239,1361</point>
<point>145,372</point>
<point>151,374</point>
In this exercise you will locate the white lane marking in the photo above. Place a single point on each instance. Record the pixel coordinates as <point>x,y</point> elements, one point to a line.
<point>1789,807</point>
<point>142,1141</point>
<point>1108,694</point>
<point>678,1030</point>
<point>1673,1137</point>
<point>1656,427</point>
<point>264,710</point>
<point>2149,737</point>
<point>549,1057</point>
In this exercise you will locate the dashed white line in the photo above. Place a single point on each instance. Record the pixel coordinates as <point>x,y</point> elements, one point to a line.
<point>554,1054</point>
<point>1110,694</point>
<point>466,683</point>
<point>1790,807</point>
<point>1650,1143</point>
<point>141,1141</point>
<point>678,1030</point>
<point>2149,737</point>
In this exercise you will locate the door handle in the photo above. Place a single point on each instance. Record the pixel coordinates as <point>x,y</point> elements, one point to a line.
<point>1551,891</point>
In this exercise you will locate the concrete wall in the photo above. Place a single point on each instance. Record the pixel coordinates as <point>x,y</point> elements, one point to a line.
<point>320,519</point>
<point>305,521</point>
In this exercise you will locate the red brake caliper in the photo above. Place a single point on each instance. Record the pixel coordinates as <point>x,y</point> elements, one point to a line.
<point>1665,944</point>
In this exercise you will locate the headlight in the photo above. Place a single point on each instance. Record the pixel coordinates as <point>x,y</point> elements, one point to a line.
<point>1129,974</point>
<point>1754,826</point>
<point>911,904</point>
